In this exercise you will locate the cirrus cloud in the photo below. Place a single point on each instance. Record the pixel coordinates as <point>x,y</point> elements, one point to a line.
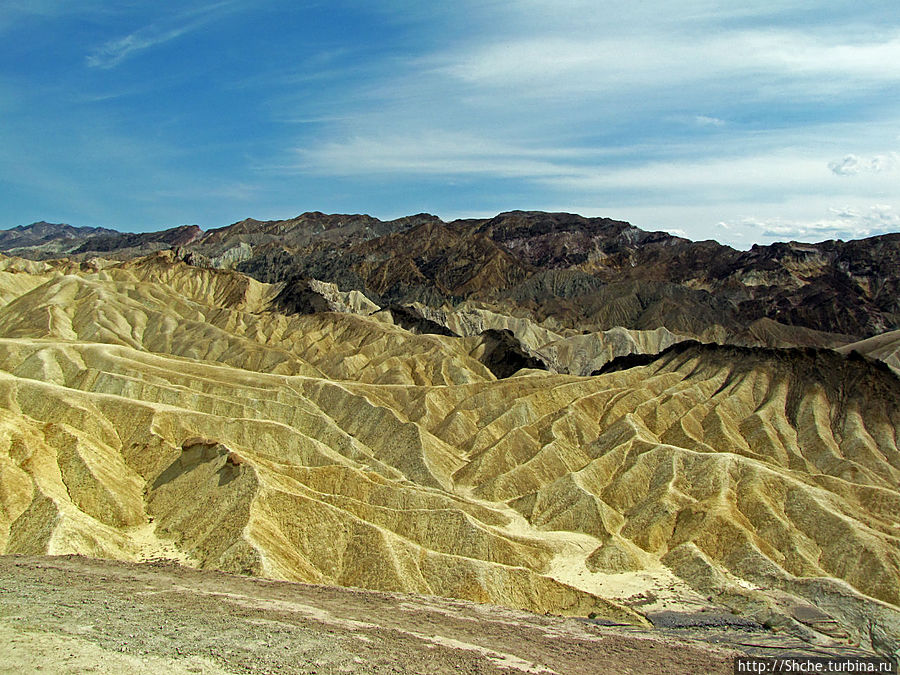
<point>112,53</point>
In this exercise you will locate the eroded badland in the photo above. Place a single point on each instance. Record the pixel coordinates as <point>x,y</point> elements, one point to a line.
<point>447,418</point>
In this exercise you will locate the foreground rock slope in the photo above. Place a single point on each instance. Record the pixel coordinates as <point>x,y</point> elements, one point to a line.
<point>161,618</point>
<point>149,408</point>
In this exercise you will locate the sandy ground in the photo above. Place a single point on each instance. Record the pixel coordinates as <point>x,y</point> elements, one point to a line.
<point>71,614</point>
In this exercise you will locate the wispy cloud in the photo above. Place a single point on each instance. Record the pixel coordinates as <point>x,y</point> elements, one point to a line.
<point>548,66</point>
<point>449,153</point>
<point>12,11</point>
<point>583,170</point>
<point>741,172</point>
<point>114,52</point>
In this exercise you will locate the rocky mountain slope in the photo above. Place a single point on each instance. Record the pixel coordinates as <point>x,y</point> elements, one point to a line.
<point>344,441</point>
<point>558,269</point>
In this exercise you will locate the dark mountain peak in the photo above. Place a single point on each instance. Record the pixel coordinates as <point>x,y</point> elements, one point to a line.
<point>311,228</point>
<point>533,222</point>
<point>518,224</point>
<point>435,238</point>
<point>181,235</point>
<point>331,220</point>
<point>416,220</point>
<point>44,229</point>
<point>246,222</point>
<point>240,227</point>
<point>560,240</point>
<point>43,226</point>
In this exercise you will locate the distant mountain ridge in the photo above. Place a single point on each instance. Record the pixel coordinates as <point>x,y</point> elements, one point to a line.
<point>577,273</point>
<point>43,241</point>
<point>42,232</point>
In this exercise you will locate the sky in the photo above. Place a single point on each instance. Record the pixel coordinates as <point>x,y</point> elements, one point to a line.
<point>712,119</point>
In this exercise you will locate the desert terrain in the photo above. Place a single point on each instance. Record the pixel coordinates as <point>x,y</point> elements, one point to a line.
<point>71,614</point>
<point>512,418</point>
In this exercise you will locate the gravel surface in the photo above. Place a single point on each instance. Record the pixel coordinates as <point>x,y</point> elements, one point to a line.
<point>74,615</point>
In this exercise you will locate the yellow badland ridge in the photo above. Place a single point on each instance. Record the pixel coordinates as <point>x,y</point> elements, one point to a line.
<point>153,409</point>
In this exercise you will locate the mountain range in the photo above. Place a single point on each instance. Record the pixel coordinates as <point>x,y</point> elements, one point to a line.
<point>542,411</point>
<point>579,273</point>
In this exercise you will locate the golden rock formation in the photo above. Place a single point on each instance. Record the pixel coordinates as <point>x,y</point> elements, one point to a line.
<point>151,409</point>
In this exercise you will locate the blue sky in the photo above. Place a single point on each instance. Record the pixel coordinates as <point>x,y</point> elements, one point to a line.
<point>707,118</point>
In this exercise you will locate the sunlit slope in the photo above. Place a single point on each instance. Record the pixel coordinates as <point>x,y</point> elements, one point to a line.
<point>152,409</point>
<point>885,347</point>
<point>289,477</point>
<point>162,305</point>
<point>740,470</point>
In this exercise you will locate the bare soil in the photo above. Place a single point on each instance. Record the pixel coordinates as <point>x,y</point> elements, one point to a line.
<point>71,614</point>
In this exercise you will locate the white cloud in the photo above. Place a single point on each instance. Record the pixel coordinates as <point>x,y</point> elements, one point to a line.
<point>577,174</point>
<point>705,121</point>
<point>841,223</point>
<point>788,60</point>
<point>749,172</point>
<point>573,169</point>
<point>114,52</point>
<point>852,165</point>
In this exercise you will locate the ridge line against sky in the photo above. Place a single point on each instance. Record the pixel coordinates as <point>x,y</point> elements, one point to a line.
<point>709,120</point>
